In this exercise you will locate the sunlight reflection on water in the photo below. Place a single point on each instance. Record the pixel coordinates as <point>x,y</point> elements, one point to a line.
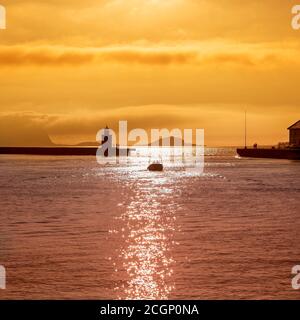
<point>148,227</point>
<point>146,252</point>
<point>146,256</point>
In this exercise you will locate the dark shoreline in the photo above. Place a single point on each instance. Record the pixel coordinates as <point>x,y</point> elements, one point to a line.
<point>50,151</point>
<point>289,154</point>
<point>58,151</point>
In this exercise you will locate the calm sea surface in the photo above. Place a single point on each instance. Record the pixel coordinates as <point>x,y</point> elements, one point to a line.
<point>71,228</point>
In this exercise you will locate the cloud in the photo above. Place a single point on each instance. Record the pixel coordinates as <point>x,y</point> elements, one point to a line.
<point>79,22</point>
<point>23,129</point>
<point>33,128</point>
<point>18,55</point>
<point>223,124</point>
<point>58,56</point>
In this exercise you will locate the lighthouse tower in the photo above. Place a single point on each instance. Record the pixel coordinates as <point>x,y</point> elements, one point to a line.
<point>107,137</point>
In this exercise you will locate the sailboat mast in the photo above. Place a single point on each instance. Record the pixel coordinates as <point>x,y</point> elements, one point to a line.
<point>245,129</point>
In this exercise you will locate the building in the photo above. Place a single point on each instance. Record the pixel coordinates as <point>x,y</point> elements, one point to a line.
<point>295,134</point>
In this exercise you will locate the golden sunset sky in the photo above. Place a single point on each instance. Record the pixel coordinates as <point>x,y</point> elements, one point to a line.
<point>70,67</point>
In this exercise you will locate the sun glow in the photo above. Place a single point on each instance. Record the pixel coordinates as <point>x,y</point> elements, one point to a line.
<point>156,63</point>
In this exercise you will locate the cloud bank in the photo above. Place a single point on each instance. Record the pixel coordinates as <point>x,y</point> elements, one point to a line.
<point>58,56</point>
<point>33,128</point>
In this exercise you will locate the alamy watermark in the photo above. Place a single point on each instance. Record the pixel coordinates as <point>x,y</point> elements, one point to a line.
<point>182,147</point>
<point>2,17</point>
<point>2,278</point>
<point>296,17</point>
<point>296,279</point>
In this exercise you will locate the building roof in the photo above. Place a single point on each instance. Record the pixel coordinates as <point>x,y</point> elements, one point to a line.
<point>296,125</point>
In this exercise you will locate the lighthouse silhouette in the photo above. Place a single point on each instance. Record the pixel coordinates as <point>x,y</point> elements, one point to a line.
<point>108,147</point>
<point>107,137</point>
<point>107,141</point>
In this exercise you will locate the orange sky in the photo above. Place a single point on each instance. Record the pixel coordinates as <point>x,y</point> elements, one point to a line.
<point>70,67</point>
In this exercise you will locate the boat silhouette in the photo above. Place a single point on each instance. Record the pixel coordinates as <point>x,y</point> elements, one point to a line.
<point>156,166</point>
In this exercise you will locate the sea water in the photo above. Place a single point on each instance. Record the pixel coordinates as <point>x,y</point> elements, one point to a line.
<point>71,228</point>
